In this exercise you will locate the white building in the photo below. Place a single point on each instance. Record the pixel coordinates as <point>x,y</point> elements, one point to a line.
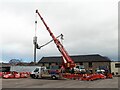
<point>115,65</point>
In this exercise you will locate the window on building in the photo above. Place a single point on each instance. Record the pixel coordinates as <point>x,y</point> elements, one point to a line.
<point>77,67</point>
<point>90,64</point>
<point>117,65</point>
<point>49,64</point>
<point>4,69</point>
<point>81,63</point>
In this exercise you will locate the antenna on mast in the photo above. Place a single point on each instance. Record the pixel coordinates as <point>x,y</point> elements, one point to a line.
<point>35,24</point>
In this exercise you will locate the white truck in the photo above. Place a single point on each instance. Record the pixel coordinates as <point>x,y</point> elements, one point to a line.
<point>42,72</point>
<point>54,72</point>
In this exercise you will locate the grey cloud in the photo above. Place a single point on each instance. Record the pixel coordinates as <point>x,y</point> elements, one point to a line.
<point>88,27</point>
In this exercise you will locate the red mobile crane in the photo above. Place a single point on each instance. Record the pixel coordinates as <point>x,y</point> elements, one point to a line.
<point>68,63</point>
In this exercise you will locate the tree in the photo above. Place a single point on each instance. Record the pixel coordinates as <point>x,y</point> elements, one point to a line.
<point>14,61</point>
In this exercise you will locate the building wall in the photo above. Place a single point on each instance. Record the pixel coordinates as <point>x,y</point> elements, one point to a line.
<point>86,65</point>
<point>101,65</point>
<point>113,68</point>
<point>40,64</point>
<point>46,64</point>
<point>95,65</point>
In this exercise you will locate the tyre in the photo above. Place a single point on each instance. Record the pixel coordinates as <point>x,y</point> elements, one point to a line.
<point>32,75</point>
<point>36,77</point>
<point>54,77</point>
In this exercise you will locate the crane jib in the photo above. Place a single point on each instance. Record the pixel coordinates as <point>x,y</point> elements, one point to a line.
<point>68,62</point>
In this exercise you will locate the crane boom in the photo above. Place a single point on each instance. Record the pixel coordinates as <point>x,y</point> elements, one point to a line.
<point>67,61</point>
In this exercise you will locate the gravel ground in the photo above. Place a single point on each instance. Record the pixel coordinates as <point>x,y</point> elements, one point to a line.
<point>45,83</point>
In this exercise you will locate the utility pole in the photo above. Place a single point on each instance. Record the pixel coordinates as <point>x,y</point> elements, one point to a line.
<point>35,42</point>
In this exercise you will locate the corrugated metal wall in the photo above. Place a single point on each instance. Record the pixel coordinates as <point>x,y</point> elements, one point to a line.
<point>23,68</point>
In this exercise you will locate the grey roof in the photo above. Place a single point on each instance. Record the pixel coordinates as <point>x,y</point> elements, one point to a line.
<point>76,58</point>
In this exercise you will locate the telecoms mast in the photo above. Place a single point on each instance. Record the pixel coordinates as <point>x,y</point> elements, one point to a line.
<point>35,41</point>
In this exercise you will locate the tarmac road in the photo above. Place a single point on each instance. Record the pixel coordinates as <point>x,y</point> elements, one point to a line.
<point>44,83</point>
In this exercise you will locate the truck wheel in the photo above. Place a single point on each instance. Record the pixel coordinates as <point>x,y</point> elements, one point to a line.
<point>53,77</point>
<point>32,75</point>
<point>36,77</point>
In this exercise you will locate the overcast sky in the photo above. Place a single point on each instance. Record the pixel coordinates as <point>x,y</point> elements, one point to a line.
<point>88,26</point>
